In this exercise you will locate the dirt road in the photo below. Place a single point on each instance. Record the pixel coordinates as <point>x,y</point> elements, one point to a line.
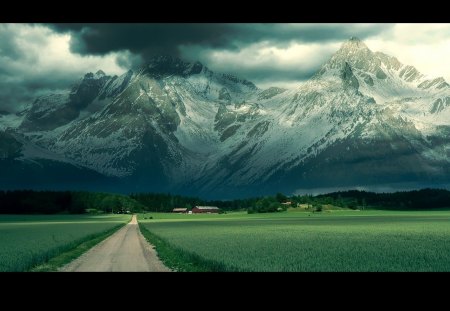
<point>125,250</point>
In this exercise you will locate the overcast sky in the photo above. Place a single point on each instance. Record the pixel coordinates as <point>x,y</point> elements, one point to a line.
<point>41,57</point>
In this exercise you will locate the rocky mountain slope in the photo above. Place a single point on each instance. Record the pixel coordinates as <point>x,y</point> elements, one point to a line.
<point>363,119</point>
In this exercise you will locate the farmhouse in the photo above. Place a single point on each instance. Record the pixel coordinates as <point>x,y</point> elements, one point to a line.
<point>205,209</point>
<point>179,210</point>
<point>288,203</point>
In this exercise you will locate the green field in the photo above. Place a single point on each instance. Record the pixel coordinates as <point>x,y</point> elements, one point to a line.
<point>27,241</point>
<point>331,241</point>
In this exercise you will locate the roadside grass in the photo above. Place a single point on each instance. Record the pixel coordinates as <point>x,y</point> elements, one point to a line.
<point>74,250</point>
<point>46,242</point>
<point>177,259</point>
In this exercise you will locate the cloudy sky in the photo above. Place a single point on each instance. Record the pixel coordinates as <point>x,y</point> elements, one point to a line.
<point>41,57</point>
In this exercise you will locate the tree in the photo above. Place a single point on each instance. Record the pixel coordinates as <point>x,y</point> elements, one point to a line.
<point>117,204</point>
<point>281,197</point>
<point>317,207</point>
<point>267,205</point>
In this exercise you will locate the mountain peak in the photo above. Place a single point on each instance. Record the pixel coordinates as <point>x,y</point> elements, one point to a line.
<point>354,43</point>
<point>353,52</point>
<point>100,73</point>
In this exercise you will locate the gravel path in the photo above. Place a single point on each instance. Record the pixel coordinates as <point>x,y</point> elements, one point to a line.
<point>126,250</point>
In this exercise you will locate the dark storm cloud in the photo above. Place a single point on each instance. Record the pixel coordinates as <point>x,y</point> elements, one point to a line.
<point>33,59</point>
<point>15,89</point>
<point>150,39</point>
<point>9,47</point>
<point>147,40</point>
<point>15,94</point>
<point>144,39</point>
<point>282,34</point>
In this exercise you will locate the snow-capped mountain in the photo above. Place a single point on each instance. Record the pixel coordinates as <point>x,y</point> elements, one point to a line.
<point>363,119</point>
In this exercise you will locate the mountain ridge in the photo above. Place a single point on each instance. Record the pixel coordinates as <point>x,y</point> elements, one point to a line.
<point>364,118</point>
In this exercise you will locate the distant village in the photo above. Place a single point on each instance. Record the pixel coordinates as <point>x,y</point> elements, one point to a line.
<point>197,210</point>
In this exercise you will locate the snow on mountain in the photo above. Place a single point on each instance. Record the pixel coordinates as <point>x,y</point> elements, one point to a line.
<point>363,118</point>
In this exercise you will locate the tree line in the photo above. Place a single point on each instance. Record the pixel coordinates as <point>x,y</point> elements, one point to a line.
<point>402,200</point>
<point>352,199</point>
<point>51,202</point>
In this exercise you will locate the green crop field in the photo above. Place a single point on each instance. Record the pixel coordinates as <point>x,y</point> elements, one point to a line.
<point>333,241</point>
<point>26,241</point>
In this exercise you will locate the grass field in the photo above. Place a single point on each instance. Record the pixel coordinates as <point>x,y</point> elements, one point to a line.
<point>295,241</point>
<point>27,241</point>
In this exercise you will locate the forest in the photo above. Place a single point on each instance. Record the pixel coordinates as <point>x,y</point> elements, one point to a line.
<point>76,202</point>
<point>70,202</point>
<point>353,199</point>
